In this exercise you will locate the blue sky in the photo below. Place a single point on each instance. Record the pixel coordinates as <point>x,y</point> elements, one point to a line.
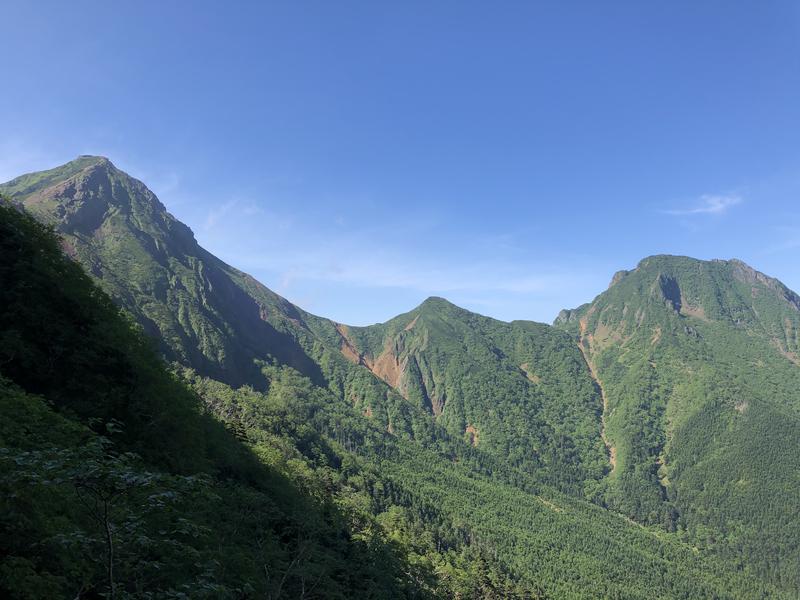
<point>357,157</point>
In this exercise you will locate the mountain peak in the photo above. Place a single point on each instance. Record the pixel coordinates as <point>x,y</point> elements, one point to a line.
<point>436,301</point>
<point>92,159</point>
<point>81,196</point>
<point>89,161</point>
<point>677,259</point>
<point>721,290</point>
<point>657,260</point>
<point>681,267</point>
<point>438,305</point>
<point>33,183</point>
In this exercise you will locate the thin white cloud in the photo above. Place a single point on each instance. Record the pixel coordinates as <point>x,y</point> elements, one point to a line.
<point>163,185</point>
<point>708,204</point>
<point>306,258</point>
<point>218,212</point>
<point>402,254</point>
<point>343,262</point>
<point>251,210</point>
<point>235,212</point>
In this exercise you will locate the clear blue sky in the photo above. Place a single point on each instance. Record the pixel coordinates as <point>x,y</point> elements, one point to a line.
<point>357,157</point>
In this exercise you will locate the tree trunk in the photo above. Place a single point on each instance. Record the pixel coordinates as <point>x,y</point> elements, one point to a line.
<point>109,551</point>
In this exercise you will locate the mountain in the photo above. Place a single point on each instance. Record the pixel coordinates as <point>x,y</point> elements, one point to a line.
<point>518,390</point>
<point>489,459</point>
<point>119,480</point>
<point>698,363</point>
<point>202,311</point>
<point>115,482</point>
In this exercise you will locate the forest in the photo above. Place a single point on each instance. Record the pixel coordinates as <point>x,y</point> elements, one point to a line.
<point>174,429</point>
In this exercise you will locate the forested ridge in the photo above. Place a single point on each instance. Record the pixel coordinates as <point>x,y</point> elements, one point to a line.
<point>699,362</point>
<point>441,454</point>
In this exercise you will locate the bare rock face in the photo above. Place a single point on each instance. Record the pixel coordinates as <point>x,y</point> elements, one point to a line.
<point>671,291</point>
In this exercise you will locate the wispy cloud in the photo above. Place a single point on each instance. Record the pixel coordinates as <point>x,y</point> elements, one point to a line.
<point>315,258</point>
<point>218,212</point>
<point>352,262</point>
<point>708,204</point>
<point>445,277</point>
<point>400,253</point>
<point>164,185</point>
<point>233,213</point>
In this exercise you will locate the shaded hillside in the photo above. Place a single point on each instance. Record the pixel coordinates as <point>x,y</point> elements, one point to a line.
<point>698,362</point>
<point>114,482</point>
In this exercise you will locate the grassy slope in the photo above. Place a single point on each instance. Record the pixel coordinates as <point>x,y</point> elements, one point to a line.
<point>151,264</point>
<point>334,505</point>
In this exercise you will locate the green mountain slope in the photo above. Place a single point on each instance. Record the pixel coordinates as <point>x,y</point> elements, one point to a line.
<point>204,313</point>
<point>699,368</point>
<point>116,483</point>
<point>519,391</point>
<point>461,446</point>
<point>199,308</point>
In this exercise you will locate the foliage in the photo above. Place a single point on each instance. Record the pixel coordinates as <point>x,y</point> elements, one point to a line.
<point>116,483</point>
<point>459,468</point>
<point>697,360</point>
<point>519,391</point>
